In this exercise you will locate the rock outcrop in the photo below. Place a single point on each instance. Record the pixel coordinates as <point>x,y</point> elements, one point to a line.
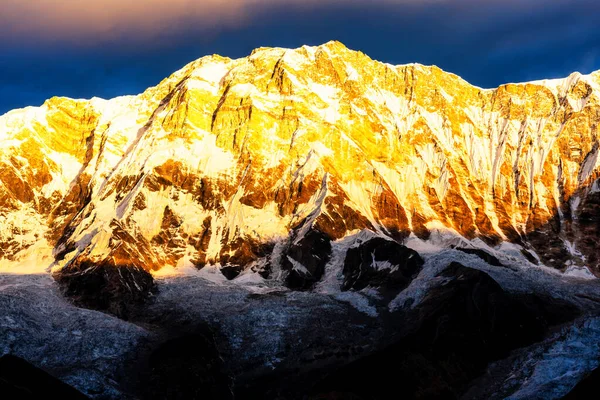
<point>381,264</point>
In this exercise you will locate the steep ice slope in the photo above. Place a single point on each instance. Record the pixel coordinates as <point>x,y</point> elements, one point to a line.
<point>230,161</point>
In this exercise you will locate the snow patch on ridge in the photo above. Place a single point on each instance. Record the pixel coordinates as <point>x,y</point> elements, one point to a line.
<point>208,76</point>
<point>35,259</point>
<point>330,96</point>
<point>579,272</point>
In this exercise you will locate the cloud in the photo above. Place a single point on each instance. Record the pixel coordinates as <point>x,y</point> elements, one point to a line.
<point>95,20</point>
<point>67,18</point>
<point>99,19</point>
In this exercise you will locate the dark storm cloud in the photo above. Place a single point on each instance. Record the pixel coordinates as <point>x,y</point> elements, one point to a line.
<point>126,50</point>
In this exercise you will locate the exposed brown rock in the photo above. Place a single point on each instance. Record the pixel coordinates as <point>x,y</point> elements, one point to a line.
<point>339,218</point>
<point>17,188</point>
<point>239,254</point>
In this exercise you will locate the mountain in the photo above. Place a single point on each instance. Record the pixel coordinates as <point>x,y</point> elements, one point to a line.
<point>306,223</point>
<point>265,161</point>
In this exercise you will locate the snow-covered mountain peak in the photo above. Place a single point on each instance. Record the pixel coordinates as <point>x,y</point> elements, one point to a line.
<point>224,161</point>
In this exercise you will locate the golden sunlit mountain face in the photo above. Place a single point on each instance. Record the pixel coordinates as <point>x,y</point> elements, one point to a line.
<point>228,151</point>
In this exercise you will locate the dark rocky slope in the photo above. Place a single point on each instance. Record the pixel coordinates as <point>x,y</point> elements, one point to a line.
<point>19,380</point>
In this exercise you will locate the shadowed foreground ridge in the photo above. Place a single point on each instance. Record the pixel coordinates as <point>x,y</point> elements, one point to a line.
<point>21,380</point>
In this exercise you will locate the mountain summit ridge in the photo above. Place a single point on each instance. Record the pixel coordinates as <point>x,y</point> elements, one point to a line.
<point>238,162</point>
<point>540,82</point>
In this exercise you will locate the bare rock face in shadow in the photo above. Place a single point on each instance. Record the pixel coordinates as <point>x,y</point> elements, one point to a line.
<point>382,264</point>
<point>107,287</point>
<point>305,259</point>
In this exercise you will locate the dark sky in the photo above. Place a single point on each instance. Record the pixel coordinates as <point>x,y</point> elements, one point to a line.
<point>104,48</point>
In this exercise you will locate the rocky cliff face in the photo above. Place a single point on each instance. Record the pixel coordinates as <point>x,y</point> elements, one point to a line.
<point>265,161</point>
